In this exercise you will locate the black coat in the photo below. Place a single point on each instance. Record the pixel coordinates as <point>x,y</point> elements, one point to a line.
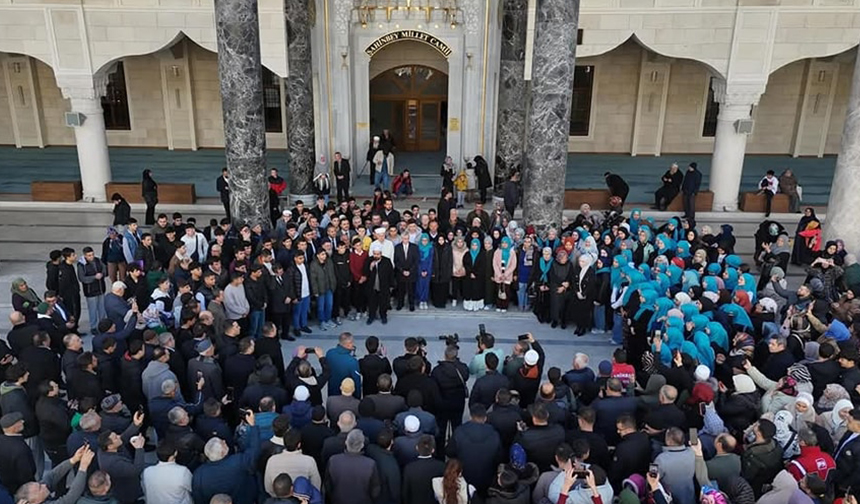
<point>131,385</point>
<point>608,410</point>
<point>384,272</point>
<point>14,399</point>
<point>504,419</point>
<point>516,495</point>
<point>292,380</point>
<point>252,394</point>
<point>351,479</point>
<point>632,456</point>
<point>482,173</point>
<point>692,181</point>
<point>479,448</point>
<point>121,213</point>
<point>85,384</point>
<point>341,169</point>
<point>54,421</point>
<point>272,348</point>
<point>43,364</point>
<point>451,377</point>
<point>17,465</point>
<point>313,439</point>
<point>211,371</point>
<point>617,186</point>
<point>389,474</point>
<point>407,262</point>
<point>20,337</point>
<point>427,386</point>
<point>485,388</point>
<point>540,443</point>
<point>418,481</point>
<point>279,290</point>
<point>237,369</point>
<point>388,405</point>
<point>443,264</point>
<point>371,366</point>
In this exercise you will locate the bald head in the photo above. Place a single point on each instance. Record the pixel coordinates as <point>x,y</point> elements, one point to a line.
<point>547,391</point>
<point>668,394</point>
<point>16,318</point>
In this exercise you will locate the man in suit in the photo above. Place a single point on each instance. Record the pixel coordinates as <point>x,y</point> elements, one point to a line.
<point>406,269</point>
<point>341,176</point>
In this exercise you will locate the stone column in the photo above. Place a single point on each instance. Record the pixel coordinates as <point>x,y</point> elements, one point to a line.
<point>511,118</point>
<point>85,93</point>
<point>240,72</point>
<point>841,221</point>
<point>548,121</point>
<point>300,101</point>
<point>727,163</point>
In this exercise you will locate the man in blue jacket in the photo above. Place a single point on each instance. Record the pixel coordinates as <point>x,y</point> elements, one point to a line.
<point>232,475</point>
<point>343,364</point>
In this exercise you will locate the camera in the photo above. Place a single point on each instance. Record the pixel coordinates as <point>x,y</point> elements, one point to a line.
<point>450,339</point>
<point>421,341</point>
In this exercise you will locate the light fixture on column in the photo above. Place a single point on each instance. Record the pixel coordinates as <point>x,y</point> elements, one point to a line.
<point>343,56</point>
<point>469,60</point>
<point>654,75</point>
<point>822,74</point>
<point>175,70</point>
<point>16,67</point>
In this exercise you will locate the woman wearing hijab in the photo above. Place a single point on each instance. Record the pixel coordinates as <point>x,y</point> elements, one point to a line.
<point>807,239</point>
<point>644,252</point>
<point>836,420</point>
<point>322,180</point>
<point>831,251</point>
<point>425,271</point>
<point>739,407</point>
<point>539,284</point>
<point>582,300</point>
<point>504,265</point>
<point>443,268</point>
<point>24,299</point>
<point>602,317</point>
<point>458,277</point>
<point>638,339</point>
<point>490,288</point>
<point>149,191</point>
<point>475,264</point>
<point>560,275</point>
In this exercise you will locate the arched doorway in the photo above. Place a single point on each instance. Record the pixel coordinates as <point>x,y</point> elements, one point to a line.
<point>412,102</point>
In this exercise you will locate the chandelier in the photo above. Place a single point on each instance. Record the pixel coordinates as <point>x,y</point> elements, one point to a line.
<point>367,10</point>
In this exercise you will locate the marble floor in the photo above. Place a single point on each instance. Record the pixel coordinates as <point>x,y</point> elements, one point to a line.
<point>19,167</point>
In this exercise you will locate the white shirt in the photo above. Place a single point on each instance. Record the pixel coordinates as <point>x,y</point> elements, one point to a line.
<point>167,482</point>
<point>196,243</point>
<point>306,286</point>
<point>388,250</point>
<point>772,184</point>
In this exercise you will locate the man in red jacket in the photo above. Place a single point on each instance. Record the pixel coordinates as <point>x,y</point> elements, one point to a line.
<point>811,459</point>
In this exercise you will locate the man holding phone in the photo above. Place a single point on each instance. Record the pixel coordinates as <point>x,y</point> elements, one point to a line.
<point>486,344</point>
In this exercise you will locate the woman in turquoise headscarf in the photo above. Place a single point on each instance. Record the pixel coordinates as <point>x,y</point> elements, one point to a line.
<point>628,256</point>
<point>740,315</point>
<point>504,265</point>
<point>635,279</point>
<point>676,274</point>
<point>733,261</point>
<point>703,346</point>
<point>540,285</point>
<point>710,284</point>
<point>665,245</point>
<point>717,335</point>
<point>645,270</point>
<point>730,278</point>
<point>713,269</point>
<point>674,340</point>
<point>644,251</point>
<point>682,250</point>
<point>689,348</point>
<point>747,283</point>
<point>664,281</point>
<point>663,305</point>
<point>637,343</point>
<point>691,279</point>
<point>635,220</point>
<point>425,271</point>
<point>689,310</point>
<point>700,322</point>
<point>475,264</point>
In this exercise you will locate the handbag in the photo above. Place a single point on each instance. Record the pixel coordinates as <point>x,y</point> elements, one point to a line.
<point>503,294</point>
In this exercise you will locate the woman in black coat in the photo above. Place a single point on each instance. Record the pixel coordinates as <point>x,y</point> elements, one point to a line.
<point>582,286</point>
<point>121,210</point>
<point>482,173</point>
<point>474,285</point>
<point>443,270</point>
<point>149,191</point>
<point>560,275</point>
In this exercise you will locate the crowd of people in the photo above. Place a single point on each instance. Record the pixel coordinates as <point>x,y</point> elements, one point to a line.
<point>724,387</point>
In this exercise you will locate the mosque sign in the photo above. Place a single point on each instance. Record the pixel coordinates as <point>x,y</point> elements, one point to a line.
<point>414,35</point>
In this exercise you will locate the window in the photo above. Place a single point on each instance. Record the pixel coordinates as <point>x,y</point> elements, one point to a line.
<point>115,101</point>
<point>272,102</point>
<point>580,113</point>
<point>712,110</point>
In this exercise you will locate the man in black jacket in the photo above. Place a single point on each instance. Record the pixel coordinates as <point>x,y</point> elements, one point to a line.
<point>406,269</point>
<point>42,363</point>
<point>540,440</point>
<point>280,306</point>
<point>632,453</point>
<point>206,367</point>
<point>451,375</point>
<point>387,405</point>
<point>416,379</point>
<point>69,288</point>
<point>386,465</point>
<point>418,475</point>
<point>270,345</point>
<point>847,455</point>
<point>485,388</point>
<point>17,465</point>
<point>352,478</point>
<point>478,446</point>
<point>372,366</point>
<point>341,176</point>
<point>21,334</point>
<point>222,185</point>
<point>672,180</point>
<point>504,416</point>
<point>315,433</point>
<point>690,187</point>
<point>255,293</point>
<point>54,422</point>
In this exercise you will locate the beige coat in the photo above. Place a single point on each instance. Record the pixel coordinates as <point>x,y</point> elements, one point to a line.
<point>377,160</point>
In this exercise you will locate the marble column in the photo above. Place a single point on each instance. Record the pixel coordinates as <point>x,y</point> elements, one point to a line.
<point>727,161</point>
<point>511,118</point>
<point>240,72</point>
<point>300,100</point>
<point>841,221</point>
<point>85,94</point>
<point>548,120</point>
